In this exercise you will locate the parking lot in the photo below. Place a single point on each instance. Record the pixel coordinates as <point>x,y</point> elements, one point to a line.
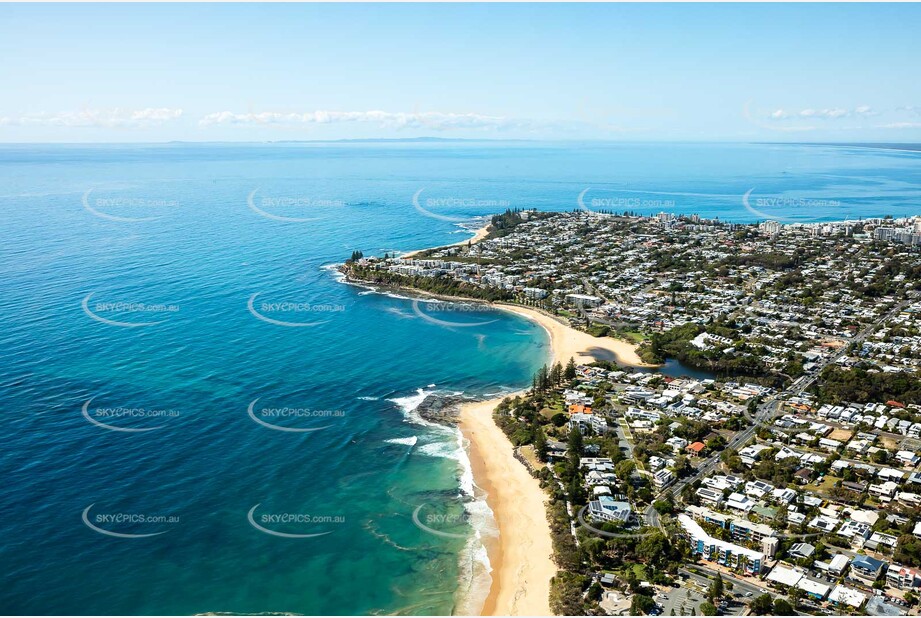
<point>689,597</point>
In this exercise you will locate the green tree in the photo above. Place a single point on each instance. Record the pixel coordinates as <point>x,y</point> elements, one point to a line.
<point>783,608</point>
<point>540,444</point>
<point>594,592</point>
<point>653,548</point>
<point>556,374</point>
<point>762,605</point>
<point>624,469</point>
<point>641,604</point>
<point>707,609</point>
<point>716,588</point>
<point>574,448</point>
<point>570,372</point>
<point>543,379</point>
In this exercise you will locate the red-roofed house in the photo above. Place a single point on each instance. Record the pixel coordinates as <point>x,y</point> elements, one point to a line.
<point>695,449</point>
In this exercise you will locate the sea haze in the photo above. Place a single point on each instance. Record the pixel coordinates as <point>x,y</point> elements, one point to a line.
<point>172,323</point>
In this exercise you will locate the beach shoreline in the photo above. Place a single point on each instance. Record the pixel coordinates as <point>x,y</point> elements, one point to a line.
<point>521,558</point>
<point>567,342</point>
<point>478,235</point>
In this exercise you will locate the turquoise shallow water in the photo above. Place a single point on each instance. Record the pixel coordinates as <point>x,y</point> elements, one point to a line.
<point>184,237</point>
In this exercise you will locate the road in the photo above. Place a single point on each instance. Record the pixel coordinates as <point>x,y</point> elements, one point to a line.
<point>739,586</point>
<point>770,409</point>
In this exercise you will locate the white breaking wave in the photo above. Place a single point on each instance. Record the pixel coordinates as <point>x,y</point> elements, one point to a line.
<point>476,578</point>
<point>408,406</point>
<point>410,441</point>
<point>473,561</point>
<point>446,450</point>
<point>334,269</point>
<point>369,398</point>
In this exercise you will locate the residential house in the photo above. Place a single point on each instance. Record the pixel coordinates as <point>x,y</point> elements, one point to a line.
<point>606,508</point>
<point>866,569</point>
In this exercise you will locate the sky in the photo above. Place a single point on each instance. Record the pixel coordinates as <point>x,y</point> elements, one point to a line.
<point>622,72</point>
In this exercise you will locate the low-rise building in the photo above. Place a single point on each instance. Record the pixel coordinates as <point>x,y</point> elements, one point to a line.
<point>663,478</point>
<point>815,590</point>
<point>866,569</point>
<point>606,508</point>
<point>844,596</point>
<point>802,550</point>
<point>710,496</point>
<point>902,577</point>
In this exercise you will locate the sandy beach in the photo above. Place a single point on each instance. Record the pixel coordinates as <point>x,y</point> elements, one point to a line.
<point>522,558</point>
<point>479,235</point>
<point>567,342</point>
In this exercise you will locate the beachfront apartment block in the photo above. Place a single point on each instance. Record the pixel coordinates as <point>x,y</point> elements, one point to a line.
<point>719,551</point>
<point>740,529</point>
<point>583,300</point>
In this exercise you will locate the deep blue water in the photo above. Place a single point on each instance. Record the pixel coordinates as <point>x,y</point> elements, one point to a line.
<point>88,227</point>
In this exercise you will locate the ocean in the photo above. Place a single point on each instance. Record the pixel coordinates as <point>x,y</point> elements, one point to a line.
<point>199,416</point>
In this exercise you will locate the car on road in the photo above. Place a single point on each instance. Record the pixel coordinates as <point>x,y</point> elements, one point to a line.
<point>748,594</point>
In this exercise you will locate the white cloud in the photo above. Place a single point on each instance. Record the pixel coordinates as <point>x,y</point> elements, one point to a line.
<point>831,113</point>
<point>901,125</point>
<point>824,113</point>
<point>100,118</point>
<point>438,121</point>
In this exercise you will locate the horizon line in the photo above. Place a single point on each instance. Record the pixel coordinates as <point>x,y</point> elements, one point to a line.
<point>436,140</point>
